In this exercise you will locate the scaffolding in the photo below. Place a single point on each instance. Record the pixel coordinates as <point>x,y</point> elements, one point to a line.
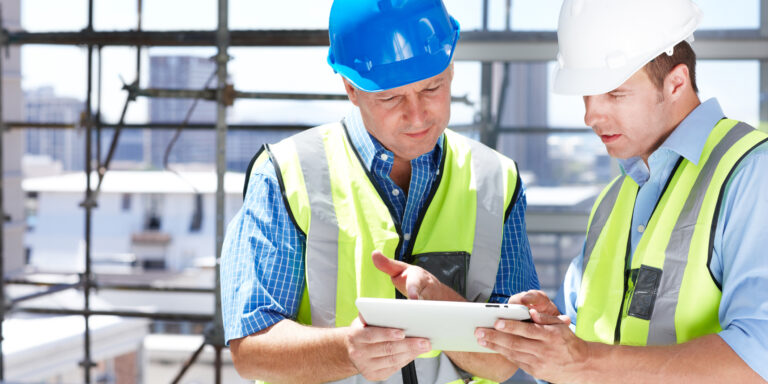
<point>223,94</point>
<point>486,47</point>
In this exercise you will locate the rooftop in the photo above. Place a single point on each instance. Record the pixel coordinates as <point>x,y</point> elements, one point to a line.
<point>138,182</point>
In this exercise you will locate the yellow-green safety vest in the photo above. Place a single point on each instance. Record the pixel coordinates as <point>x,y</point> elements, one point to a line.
<point>334,203</point>
<point>668,294</point>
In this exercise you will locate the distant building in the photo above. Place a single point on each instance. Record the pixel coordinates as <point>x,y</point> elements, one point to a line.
<point>181,72</point>
<point>49,349</point>
<point>525,105</point>
<point>146,220</point>
<point>61,145</point>
<point>194,147</point>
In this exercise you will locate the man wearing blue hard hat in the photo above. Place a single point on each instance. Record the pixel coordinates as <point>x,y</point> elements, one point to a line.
<point>387,203</point>
<point>672,283</point>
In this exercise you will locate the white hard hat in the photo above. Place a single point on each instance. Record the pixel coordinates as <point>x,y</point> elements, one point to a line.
<point>604,42</point>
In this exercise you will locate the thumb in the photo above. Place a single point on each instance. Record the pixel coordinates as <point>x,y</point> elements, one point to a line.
<point>543,318</point>
<point>391,267</point>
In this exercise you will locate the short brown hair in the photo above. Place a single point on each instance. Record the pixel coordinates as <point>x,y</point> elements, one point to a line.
<point>658,68</point>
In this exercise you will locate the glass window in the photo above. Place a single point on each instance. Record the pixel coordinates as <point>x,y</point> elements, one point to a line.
<point>45,66</point>
<point>115,15</point>
<point>718,14</point>
<point>735,83</point>
<point>466,82</point>
<point>173,15</point>
<point>48,15</point>
<point>469,13</point>
<point>125,204</point>
<point>539,15</point>
<point>542,15</point>
<point>293,14</point>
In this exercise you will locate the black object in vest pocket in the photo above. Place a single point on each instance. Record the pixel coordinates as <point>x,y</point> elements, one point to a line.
<point>646,287</point>
<point>449,267</point>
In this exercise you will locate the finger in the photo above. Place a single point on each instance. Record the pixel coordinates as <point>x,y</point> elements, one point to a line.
<point>382,368</point>
<point>535,299</point>
<point>547,319</point>
<point>517,298</point>
<point>409,346</point>
<point>538,300</point>
<point>520,328</point>
<point>389,266</point>
<point>400,358</point>
<point>506,343</point>
<point>372,335</point>
<point>379,367</point>
<point>520,358</point>
<point>413,288</point>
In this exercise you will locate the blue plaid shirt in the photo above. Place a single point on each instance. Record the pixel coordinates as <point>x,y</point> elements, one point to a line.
<point>262,266</point>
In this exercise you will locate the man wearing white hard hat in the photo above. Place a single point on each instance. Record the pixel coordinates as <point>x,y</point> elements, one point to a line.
<point>672,282</point>
<point>385,203</point>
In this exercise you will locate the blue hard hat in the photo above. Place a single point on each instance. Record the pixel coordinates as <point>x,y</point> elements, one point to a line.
<point>384,44</point>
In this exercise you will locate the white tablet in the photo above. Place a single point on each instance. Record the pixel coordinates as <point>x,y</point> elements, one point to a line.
<point>449,325</point>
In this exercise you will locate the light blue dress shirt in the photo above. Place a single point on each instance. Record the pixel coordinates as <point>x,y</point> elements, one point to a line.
<point>740,256</point>
<point>262,265</point>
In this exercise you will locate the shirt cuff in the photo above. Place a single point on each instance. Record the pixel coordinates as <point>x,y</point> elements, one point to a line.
<point>252,323</point>
<point>748,347</point>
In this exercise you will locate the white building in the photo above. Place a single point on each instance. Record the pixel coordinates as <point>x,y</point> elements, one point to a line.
<point>147,219</point>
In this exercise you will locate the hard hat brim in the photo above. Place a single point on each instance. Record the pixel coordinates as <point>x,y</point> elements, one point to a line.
<point>588,82</point>
<point>396,74</point>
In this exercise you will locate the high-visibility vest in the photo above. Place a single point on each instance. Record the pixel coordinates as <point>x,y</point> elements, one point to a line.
<point>334,202</point>
<point>668,294</point>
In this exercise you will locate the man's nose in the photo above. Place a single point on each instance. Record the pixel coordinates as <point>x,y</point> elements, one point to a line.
<point>416,111</point>
<point>593,114</point>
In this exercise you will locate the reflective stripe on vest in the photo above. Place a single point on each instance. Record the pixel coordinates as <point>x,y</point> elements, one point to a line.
<point>668,296</point>
<point>489,211</point>
<point>333,201</point>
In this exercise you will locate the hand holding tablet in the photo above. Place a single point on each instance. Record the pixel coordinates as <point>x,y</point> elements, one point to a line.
<point>449,325</point>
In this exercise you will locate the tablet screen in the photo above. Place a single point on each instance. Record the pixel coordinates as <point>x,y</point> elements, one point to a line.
<point>449,325</point>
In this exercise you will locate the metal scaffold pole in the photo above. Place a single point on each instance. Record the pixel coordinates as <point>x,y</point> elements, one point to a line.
<point>216,336</point>
<point>88,204</point>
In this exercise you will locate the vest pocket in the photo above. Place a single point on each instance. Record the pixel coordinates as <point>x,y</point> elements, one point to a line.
<point>644,296</point>
<point>449,267</point>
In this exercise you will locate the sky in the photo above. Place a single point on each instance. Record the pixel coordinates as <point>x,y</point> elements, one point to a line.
<point>304,69</point>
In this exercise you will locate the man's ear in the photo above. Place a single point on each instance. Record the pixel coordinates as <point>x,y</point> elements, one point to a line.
<point>677,82</point>
<point>351,91</point>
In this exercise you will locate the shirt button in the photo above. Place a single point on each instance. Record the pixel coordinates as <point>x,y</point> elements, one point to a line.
<point>641,228</point>
<point>407,236</point>
<point>395,192</point>
<point>384,156</point>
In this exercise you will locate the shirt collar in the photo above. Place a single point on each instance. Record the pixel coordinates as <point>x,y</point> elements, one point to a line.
<point>369,147</point>
<point>687,140</point>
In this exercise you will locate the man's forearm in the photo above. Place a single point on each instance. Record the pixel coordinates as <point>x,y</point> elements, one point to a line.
<point>490,366</point>
<point>705,360</point>
<point>289,352</point>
